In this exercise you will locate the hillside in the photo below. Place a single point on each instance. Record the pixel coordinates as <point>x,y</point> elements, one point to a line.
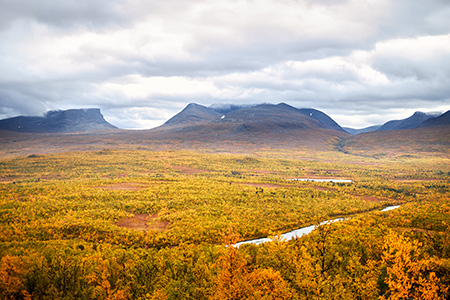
<point>323,118</point>
<point>72,120</point>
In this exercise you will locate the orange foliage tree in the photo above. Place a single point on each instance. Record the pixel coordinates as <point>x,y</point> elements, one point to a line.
<point>409,272</point>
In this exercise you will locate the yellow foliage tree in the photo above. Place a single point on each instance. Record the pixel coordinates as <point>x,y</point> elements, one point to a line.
<point>235,281</point>
<point>231,280</point>
<point>12,271</point>
<point>409,275</point>
<point>267,284</point>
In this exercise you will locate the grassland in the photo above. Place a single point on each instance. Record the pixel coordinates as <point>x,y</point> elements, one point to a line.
<point>147,224</point>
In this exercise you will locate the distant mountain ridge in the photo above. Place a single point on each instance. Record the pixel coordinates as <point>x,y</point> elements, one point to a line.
<point>417,120</point>
<point>442,120</point>
<point>247,118</point>
<point>362,130</point>
<point>72,120</point>
<point>412,122</point>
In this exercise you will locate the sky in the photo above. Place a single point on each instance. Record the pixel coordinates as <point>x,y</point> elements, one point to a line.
<point>362,62</point>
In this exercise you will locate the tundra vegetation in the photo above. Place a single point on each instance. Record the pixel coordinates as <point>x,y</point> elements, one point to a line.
<point>138,224</point>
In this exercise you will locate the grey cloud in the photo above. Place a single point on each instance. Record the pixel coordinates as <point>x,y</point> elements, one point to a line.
<point>67,13</point>
<point>232,50</point>
<point>412,18</point>
<point>402,67</point>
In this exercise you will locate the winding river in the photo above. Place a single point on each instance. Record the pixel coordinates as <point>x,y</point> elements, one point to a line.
<point>301,231</point>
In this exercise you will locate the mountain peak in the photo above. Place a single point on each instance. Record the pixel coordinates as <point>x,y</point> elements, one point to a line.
<point>193,113</point>
<point>419,113</point>
<point>72,120</point>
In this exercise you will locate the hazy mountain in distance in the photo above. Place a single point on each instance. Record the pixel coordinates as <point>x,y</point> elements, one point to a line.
<point>72,120</point>
<point>362,130</point>
<point>439,121</point>
<point>412,122</point>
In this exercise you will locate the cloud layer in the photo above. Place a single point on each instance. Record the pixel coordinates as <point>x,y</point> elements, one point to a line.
<point>361,62</point>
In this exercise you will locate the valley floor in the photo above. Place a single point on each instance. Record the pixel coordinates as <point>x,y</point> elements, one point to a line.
<point>139,223</point>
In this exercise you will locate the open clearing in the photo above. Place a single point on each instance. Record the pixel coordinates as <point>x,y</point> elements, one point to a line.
<point>143,222</point>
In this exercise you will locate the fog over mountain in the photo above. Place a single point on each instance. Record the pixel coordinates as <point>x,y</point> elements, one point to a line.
<point>72,120</point>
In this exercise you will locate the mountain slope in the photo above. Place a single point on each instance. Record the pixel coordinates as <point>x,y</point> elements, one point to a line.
<point>322,118</point>
<point>72,120</point>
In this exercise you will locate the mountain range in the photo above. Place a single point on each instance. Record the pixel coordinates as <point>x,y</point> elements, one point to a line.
<point>219,128</point>
<point>229,119</point>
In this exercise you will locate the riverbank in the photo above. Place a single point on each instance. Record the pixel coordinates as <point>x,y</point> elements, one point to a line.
<point>294,234</point>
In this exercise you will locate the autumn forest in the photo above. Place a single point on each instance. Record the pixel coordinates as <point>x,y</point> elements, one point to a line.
<point>147,224</point>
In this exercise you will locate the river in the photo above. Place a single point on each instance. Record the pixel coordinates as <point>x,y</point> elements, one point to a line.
<point>301,231</point>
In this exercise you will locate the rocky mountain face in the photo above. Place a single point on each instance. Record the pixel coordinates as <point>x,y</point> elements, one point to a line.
<point>72,120</point>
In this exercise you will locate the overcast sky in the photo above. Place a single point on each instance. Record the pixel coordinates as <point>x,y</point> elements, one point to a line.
<point>363,62</point>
